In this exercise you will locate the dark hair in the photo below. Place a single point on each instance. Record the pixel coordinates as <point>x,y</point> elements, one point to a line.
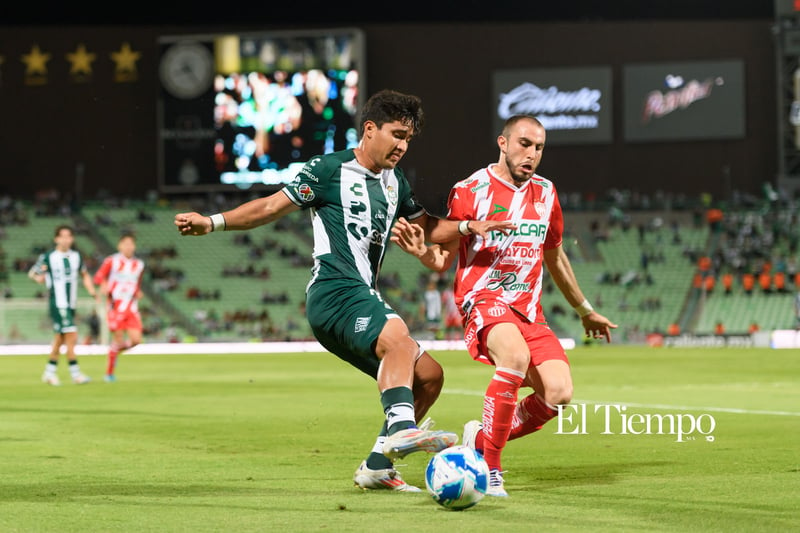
<point>387,106</point>
<point>63,227</point>
<point>127,235</point>
<point>516,118</point>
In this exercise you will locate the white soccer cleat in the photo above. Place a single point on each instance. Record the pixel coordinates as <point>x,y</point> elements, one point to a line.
<point>419,439</point>
<point>80,379</point>
<point>496,487</point>
<point>51,379</point>
<point>471,430</point>
<point>383,479</point>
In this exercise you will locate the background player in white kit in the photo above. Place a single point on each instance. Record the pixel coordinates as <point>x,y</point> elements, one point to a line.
<point>60,270</point>
<point>120,279</point>
<point>498,286</point>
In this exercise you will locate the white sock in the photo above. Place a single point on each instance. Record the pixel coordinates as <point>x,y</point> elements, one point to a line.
<point>378,448</point>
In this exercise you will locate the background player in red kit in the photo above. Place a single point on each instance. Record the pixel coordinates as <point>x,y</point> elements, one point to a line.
<point>498,287</point>
<point>120,278</point>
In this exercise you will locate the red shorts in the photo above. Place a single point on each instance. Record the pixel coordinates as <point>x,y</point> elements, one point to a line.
<point>484,315</point>
<point>124,320</point>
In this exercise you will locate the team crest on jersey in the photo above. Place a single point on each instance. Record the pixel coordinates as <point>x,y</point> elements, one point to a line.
<point>305,192</point>
<point>540,208</point>
<point>391,194</point>
<point>497,311</point>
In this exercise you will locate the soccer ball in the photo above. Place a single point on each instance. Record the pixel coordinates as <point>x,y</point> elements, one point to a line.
<point>457,477</point>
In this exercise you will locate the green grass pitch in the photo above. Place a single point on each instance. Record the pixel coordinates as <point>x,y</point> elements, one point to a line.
<point>260,443</point>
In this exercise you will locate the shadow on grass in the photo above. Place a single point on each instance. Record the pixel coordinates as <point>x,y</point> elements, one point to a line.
<point>532,479</point>
<point>104,492</point>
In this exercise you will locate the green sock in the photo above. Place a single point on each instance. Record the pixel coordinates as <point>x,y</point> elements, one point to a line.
<point>398,404</point>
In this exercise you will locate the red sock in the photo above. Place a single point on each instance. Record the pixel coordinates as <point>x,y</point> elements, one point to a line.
<point>112,359</point>
<point>530,415</point>
<point>498,411</point>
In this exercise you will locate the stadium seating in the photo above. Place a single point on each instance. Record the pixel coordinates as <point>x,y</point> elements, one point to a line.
<point>640,300</point>
<point>738,311</point>
<point>219,276</point>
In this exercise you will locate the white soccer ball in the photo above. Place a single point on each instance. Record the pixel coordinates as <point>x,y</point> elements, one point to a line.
<point>457,477</point>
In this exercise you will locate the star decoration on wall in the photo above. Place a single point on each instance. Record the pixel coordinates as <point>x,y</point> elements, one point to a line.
<point>125,59</point>
<point>35,62</point>
<point>81,61</point>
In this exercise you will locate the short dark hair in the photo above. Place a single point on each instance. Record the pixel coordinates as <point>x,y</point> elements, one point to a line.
<point>510,121</point>
<point>388,105</point>
<point>127,235</point>
<point>63,227</point>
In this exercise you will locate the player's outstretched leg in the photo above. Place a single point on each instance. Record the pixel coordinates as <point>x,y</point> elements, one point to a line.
<point>420,439</point>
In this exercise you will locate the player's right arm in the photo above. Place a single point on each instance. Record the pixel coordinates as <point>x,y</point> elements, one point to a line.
<point>247,216</point>
<point>101,276</point>
<point>38,270</point>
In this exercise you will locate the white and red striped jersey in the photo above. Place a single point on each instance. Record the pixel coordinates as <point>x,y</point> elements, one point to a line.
<point>124,278</point>
<point>507,267</point>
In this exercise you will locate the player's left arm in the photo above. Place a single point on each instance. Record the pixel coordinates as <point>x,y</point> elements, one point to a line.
<point>560,268</point>
<point>410,238</point>
<point>88,284</point>
<point>440,230</point>
<point>139,292</point>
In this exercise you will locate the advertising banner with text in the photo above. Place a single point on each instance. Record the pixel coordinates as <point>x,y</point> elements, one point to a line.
<point>573,104</point>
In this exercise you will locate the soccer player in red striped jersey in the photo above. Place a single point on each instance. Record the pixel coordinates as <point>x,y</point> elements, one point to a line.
<point>120,279</point>
<point>498,286</point>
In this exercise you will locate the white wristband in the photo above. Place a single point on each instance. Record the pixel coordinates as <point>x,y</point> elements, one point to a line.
<point>463,227</point>
<point>584,308</point>
<point>217,221</point>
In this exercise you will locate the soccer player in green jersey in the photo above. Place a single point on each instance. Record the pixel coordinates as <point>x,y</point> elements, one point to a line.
<point>60,270</point>
<point>354,197</point>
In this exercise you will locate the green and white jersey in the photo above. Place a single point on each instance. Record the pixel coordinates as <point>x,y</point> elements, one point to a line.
<point>63,274</point>
<point>353,211</point>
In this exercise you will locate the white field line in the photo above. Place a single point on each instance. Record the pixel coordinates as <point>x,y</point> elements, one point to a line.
<point>289,347</point>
